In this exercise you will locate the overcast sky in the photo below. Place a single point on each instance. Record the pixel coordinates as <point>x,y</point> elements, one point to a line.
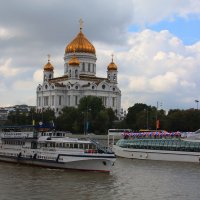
<point>156,46</point>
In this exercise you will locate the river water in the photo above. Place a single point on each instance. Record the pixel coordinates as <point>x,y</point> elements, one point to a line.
<point>129,179</point>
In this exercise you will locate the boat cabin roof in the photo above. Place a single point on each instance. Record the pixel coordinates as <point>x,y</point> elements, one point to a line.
<point>48,139</point>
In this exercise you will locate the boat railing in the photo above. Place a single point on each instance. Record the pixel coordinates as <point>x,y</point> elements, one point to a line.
<point>101,148</point>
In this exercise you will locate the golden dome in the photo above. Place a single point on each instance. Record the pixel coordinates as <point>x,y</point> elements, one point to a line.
<point>48,66</point>
<point>112,65</point>
<point>81,44</point>
<point>74,61</point>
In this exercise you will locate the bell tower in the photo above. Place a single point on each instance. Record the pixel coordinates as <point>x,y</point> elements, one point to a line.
<point>48,72</point>
<point>112,71</point>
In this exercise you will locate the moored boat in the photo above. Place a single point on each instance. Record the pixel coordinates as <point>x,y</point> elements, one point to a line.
<point>158,146</point>
<point>53,149</point>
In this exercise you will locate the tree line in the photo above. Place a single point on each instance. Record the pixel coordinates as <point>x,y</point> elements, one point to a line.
<point>142,116</point>
<point>92,117</point>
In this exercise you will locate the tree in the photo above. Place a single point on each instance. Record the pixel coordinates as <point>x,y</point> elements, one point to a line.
<point>67,119</point>
<point>92,104</point>
<point>135,116</point>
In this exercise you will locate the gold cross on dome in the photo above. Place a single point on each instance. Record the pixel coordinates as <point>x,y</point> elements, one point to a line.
<point>49,56</point>
<point>81,23</point>
<point>112,56</point>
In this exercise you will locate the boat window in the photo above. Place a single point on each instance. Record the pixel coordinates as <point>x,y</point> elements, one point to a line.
<point>90,146</point>
<point>58,134</point>
<point>66,145</point>
<point>76,146</point>
<point>71,145</point>
<point>80,146</point>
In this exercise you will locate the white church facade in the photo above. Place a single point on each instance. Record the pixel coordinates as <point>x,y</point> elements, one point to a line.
<point>79,80</point>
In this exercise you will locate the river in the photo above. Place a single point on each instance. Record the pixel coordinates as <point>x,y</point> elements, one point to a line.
<point>129,179</point>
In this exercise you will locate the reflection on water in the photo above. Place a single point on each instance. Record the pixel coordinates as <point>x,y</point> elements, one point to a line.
<point>130,179</point>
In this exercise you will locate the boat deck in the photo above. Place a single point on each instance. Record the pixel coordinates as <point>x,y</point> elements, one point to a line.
<point>160,144</point>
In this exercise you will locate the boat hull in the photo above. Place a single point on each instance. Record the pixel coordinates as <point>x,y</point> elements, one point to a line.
<point>88,163</point>
<point>162,155</point>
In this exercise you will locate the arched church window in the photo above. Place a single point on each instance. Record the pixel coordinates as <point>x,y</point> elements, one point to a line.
<point>93,87</point>
<point>88,67</point>
<point>109,76</point>
<point>103,86</point>
<point>76,87</point>
<point>46,86</point>
<point>68,87</point>
<point>114,78</point>
<point>113,89</point>
<point>49,76</point>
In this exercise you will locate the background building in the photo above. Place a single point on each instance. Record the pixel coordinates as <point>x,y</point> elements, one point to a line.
<point>79,79</point>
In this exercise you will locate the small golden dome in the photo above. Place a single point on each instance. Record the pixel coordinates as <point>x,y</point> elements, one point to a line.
<point>48,66</point>
<point>81,44</point>
<point>74,61</point>
<point>112,65</point>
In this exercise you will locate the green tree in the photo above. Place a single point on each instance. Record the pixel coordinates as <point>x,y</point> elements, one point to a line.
<point>18,118</point>
<point>92,104</point>
<point>67,119</point>
<point>135,118</point>
<point>101,122</point>
<point>183,120</point>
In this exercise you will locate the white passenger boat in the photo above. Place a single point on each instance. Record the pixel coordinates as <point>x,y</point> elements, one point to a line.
<point>158,146</point>
<point>53,149</point>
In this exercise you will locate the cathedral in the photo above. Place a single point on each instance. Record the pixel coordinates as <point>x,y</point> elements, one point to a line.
<point>79,79</point>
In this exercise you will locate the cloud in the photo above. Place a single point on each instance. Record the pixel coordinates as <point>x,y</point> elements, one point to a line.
<point>4,33</point>
<point>6,69</point>
<point>38,76</point>
<point>151,65</point>
<point>23,85</point>
<point>163,83</point>
<point>154,11</point>
<point>157,65</point>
